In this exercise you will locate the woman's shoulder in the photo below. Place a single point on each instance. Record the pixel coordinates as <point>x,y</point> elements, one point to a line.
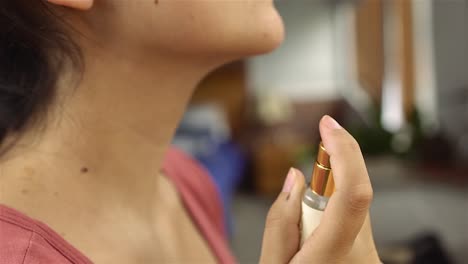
<point>24,240</point>
<point>188,174</point>
<point>201,198</point>
<point>14,239</point>
<point>193,182</point>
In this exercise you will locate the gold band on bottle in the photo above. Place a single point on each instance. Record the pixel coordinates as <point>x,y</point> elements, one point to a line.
<point>322,177</point>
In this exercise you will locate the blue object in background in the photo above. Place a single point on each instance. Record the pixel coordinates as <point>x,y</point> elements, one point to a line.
<point>204,134</point>
<point>226,165</point>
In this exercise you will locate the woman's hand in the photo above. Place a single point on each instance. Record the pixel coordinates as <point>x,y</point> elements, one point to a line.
<point>344,234</point>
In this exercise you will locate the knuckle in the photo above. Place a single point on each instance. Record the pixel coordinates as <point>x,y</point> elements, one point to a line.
<point>274,217</point>
<point>360,198</point>
<point>352,145</point>
<point>347,141</point>
<point>273,220</point>
<point>279,217</point>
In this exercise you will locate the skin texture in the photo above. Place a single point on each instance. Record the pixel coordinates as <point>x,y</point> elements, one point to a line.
<point>95,169</point>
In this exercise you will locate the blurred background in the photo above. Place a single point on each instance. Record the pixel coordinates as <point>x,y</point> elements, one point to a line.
<point>394,73</point>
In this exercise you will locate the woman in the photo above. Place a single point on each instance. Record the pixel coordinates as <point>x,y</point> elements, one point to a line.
<point>90,95</point>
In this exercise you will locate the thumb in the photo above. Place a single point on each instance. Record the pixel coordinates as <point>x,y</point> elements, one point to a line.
<point>281,236</point>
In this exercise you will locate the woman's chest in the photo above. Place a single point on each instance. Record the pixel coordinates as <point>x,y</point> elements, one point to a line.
<point>171,237</point>
<point>180,239</point>
<point>177,241</point>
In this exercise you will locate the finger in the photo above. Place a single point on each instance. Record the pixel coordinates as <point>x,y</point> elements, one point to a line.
<point>281,236</point>
<point>348,207</point>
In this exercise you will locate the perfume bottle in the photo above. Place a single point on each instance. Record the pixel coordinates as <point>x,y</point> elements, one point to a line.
<point>317,194</point>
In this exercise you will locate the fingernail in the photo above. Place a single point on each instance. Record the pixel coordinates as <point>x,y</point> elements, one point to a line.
<point>331,123</point>
<point>289,182</point>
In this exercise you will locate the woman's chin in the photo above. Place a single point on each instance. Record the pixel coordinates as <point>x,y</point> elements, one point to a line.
<point>271,41</point>
<point>264,37</point>
<point>270,36</point>
<point>252,38</point>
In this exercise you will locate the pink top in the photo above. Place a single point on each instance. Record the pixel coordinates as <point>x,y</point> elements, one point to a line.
<point>27,241</point>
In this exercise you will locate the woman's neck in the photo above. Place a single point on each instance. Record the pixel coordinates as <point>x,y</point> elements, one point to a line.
<point>110,134</point>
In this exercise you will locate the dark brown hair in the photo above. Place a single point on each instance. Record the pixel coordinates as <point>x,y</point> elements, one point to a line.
<point>34,46</point>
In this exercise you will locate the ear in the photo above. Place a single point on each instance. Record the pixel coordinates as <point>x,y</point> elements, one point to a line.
<point>75,4</point>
